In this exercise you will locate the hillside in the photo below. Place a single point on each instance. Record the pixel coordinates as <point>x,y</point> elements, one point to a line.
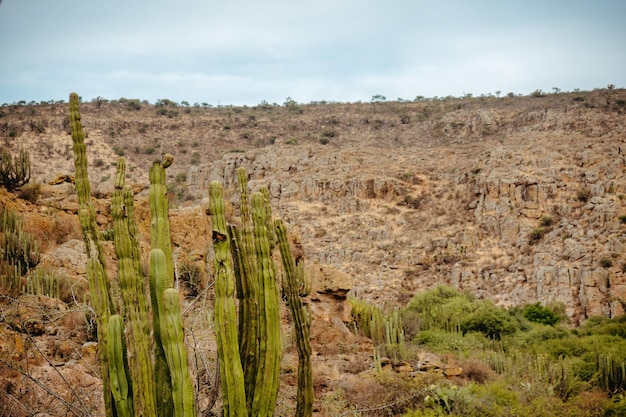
<point>514,199</point>
<point>401,195</point>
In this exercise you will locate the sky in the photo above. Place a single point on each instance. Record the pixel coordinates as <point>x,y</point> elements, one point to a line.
<point>241,52</point>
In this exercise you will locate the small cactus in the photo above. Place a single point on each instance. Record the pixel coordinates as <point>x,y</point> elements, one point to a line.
<point>14,170</point>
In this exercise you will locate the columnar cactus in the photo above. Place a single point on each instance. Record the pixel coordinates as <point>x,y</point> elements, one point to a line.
<point>259,305</point>
<point>136,390</point>
<point>120,381</point>
<point>231,372</point>
<point>242,248</point>
<point>160,239</point>
<point>133,295</point>
<point>96,270</point>
<point>171,333</point>
<point>293,284</point>
<point>269,346</point>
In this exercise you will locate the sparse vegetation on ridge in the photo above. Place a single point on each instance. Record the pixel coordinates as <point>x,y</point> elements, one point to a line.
<point>398,195</point>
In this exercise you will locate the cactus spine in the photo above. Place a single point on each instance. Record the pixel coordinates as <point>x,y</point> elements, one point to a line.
<point>231,372</point>
<point>96,275</point>
<point>133,295</point>
<point>293,284</point>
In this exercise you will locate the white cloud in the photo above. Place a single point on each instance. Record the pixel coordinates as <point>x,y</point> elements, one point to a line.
<point>246,51</point>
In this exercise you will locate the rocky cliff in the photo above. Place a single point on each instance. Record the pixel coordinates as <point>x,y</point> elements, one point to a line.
<point>519,199</point>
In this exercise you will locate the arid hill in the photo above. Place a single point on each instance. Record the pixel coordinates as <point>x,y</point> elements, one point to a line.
<point>516,199</point>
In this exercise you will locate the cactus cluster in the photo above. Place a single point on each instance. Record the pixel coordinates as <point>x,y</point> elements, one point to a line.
<point>135,381</point>
<point>42,282</point>
<point>14,170</point>
<point>383,328</point>
<point>138,381</point>
<point>19,251</point>
<point>243,262</point>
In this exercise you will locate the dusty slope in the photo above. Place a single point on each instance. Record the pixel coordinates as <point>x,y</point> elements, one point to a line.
<point>398,196</point>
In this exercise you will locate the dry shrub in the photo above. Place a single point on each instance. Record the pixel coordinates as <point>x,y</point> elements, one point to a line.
<point>30,192</point>
<point>477,371</point>
<point>65,227</point>
<point>72,291</point>
<point>384,393</point>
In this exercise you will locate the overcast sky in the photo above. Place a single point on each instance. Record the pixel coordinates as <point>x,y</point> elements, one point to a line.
<point>244,52</point>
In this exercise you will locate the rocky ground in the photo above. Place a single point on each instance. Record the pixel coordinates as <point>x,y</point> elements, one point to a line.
<point>517,199</point>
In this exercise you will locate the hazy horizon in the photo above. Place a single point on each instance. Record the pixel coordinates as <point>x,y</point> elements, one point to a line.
<point>245,52</point>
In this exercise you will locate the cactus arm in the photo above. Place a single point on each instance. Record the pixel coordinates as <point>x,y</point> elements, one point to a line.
<point>96,275</point>
<point>133,295</point>
<point>231,372</point>
<point>293,283</point>
<point>270,349</point>
<point>120,382</point>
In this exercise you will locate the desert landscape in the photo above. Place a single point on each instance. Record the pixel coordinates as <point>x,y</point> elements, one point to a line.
<point>413,218</point>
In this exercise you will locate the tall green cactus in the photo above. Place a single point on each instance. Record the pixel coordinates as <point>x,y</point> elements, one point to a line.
<point>231,372</point>
<point>170,326</point>
<point>96,269</point>
<point>269,346</point>
<point>293,284</point>
<point>149,391</point>
<point>259,305</point>
<point>133,295</point>
<point>244,258</point>
<point>160,239</point>
<point>120,381</point>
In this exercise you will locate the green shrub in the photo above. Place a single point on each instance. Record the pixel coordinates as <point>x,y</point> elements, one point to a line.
<point>545,220</point>
<point>442,307</point>
<point>540,314</point>
<point>606,262</point>
<point>30,192</point>
<point>491,321</point>
<point>583,195</point>
<point>537,234</point>
<point>133,104</point>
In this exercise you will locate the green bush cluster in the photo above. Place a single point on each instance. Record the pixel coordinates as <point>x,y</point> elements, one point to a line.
<point>541,368</point>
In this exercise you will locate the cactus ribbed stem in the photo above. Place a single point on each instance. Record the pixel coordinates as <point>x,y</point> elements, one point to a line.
<point>159,210</point>
<point>120,382</point>
<point>231,373</point>
<point>98,281</point>
<point>160,239</point>
<point>247,288</point>
<point>292,283</point>
<point>174,346</point>
<point>133,294</point>
<point>270,349</point>
<point>170,327</point>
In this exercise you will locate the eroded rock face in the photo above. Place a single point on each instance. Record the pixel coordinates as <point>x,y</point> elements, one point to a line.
<point>398,223</point>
